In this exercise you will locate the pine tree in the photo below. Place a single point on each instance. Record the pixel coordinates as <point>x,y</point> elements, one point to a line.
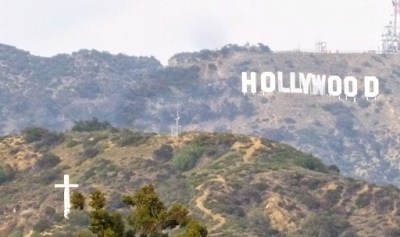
<point>149,217</point>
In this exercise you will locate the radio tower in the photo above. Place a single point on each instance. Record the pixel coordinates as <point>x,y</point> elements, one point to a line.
<point>396,7</point>
<point>390,36</point>
<point>177,129</point>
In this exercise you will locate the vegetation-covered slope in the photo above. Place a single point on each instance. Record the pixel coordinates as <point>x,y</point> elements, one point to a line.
<point>238,185</point>
<point>138,92</point>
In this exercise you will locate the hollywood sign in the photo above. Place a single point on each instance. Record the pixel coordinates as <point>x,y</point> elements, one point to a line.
<point>310,84</point>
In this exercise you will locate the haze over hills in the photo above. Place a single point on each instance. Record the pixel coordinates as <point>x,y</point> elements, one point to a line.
<point>139,93</point>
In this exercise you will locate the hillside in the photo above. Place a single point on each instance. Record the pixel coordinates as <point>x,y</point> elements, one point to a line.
<point>139,93</point>
<point>238,185</point>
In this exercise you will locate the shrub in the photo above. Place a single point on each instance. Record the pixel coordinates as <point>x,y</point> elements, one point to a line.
<point>3,175</point>
<point>385,205</point>
<point>16,234</point>
<point>333,196</point>
<point>334,169</point>
<point>43,138</point>
<point>345,124</point>
<point>72,143</point>
<point>51,138</point>
<point>312,163</point>
<point>337,108</point>
<point>49,176</point>
<point>377,58</point>
<point>78,218</point>
<point>363,200</point>
<point>48,160</point>
<point>264,100</point>
<point>49,211</point>
<point>363,103</point>
<point>260,186</point>
<point>165,152</point>
<point>130,138</point>
<point>289,121</point>
<point>42,225</point>
<point>309,201</point>
<point>90,152</point>
<point>392,232</point>
<point>186,157</point>
<point>367,64</point>
<point>325,224</point>
<point>91,125</point>
<point>34,134</point>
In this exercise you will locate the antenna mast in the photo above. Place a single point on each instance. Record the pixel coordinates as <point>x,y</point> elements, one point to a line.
<point>320,47</point>
<point>396,6</point>
<point>390,36</point>
<point>177,129</point>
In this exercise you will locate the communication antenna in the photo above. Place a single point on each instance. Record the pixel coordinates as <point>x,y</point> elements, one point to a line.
<point>177,129</point>
<point>390,36</point>
<point>320,47</point>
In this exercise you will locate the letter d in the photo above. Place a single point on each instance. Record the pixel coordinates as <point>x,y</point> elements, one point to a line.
<point>375,82</point>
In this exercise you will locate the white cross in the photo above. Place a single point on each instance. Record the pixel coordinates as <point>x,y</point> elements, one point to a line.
<point>67,201</point>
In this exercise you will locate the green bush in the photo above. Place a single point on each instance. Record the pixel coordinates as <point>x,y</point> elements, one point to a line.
<point>333,196</point>
<point>334,169</point>
<point>311,163</point>
<point>72,143</point>
<point>78,218</point>
<point>325,224</point>
<point>42,137</point>
<point>34,134</point>
<point>392,232</point>
<point>48,212</point>
<point>260,186</point>
<point>49,176</point>
<point>90,152</point>
<point>94,141</point>
<point>363,200</point>
<point>165,152</point>
<point>3,175</point>
<point>16,234</point>
<point>90,125</point>
<point>48,160</point>
<point>186,157</point>
<point>42,225</point>
<point>130,138</point>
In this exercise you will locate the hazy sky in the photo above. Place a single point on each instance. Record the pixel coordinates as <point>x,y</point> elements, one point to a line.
<point>162,28</point>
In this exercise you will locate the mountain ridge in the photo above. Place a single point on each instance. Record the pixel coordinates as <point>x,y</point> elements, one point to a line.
<point>205,86</point>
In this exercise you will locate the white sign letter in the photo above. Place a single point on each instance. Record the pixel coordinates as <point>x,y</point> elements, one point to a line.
<point>305,82</point>
<point>353,82</point>
<point>318,83</point>
<point>246,82</point>
<point>293,88</point>
<point>331,88</point>
<point>280,84</point>
<point>367,82</point>
<point>272,83</point>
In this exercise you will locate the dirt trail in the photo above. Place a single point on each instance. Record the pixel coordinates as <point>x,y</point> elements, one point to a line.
<point>249,152</point>
<point>220,179</point>
<point>201,200</point>
<point>29,234</point>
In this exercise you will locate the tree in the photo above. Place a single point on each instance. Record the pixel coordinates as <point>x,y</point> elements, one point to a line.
<point>149,217</point>
<point>90,125</point>
<point>102,223</point>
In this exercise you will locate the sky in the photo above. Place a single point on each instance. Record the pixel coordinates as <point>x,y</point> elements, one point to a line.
<point>163,28</point>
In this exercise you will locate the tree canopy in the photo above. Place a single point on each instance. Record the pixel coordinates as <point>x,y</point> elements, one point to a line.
<point>149,216</point>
